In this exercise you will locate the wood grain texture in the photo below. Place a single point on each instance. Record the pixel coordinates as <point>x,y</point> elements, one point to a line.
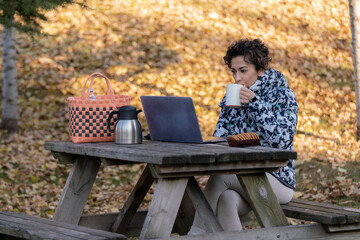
<point>165,153</point>
<point>297,232</point>
<point>342,227</point>
<point>304,213</point>
<point>328,214</point>
<point>163,208</point>
<point>31,227</point>
<point>263,200</point>
<point>243,167</point>
<point>76,191</point>
<point>352,214</point>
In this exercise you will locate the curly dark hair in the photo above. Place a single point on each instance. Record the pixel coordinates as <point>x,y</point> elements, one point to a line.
<point>254,52</point>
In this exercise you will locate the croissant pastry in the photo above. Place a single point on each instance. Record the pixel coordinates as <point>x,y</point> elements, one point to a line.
<point>243,140</point>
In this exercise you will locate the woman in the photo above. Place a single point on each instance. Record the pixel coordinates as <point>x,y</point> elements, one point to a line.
<point>269,108</point>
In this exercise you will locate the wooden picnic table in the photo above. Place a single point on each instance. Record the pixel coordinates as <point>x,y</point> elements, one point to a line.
<point>174,166</point>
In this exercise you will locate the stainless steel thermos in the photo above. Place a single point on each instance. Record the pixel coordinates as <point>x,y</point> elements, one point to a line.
<point>128,129</point>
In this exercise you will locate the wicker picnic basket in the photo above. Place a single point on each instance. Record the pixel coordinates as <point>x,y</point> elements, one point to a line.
<point>87,118</point>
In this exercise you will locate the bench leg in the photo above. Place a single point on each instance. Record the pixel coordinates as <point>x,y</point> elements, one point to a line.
<point>263,200</point>
<point>163,208</point>
<point>77,189</point>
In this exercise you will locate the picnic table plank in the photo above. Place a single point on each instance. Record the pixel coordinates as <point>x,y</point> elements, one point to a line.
<point>220,152</point>
<point>117,152</point>
<point>254,153</point>
<point>312,231</point>
<point>163,153</point>
<point>313,215</point>
<point>136,154</point>
<point>77,188</point>
<point>263,200</point>
<point>169,171</point>
<point>180,148</point>
<point>352,214</point>
<point>277,153</point>
<point>225,153</point>
<point>335,213</point>
<point>32,227</point>
<point>327,214</point>
<point>342,227</point>
<point>249,153</point>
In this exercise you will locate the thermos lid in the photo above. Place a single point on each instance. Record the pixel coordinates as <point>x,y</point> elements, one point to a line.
<point>128,112</point>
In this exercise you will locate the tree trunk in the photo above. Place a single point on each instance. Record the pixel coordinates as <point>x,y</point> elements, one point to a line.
<point>9,120</point>
<point>354,6</point>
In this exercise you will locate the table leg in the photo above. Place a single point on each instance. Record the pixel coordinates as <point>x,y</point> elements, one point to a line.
<point>263,200</point>
<point>133,202</point>
<point>77,189</point>
<point>202,207</point>
<point>163,208</point>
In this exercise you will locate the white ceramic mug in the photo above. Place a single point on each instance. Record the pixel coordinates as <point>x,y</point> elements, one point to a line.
<point>233,95</point>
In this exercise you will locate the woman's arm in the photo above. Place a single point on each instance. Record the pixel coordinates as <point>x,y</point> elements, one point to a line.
<point>275,118</point>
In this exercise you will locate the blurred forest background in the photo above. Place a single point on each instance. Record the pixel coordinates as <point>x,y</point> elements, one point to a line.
<point>175,47</point>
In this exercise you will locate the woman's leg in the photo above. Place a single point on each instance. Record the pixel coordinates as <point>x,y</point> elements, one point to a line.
<point>231,205</point>
<point>218,184</point>
<point>283,193</point>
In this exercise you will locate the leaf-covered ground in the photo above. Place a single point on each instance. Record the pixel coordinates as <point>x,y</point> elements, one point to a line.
<point>175,47</point>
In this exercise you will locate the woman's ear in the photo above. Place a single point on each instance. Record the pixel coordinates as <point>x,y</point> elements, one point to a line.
<point>260,72</point>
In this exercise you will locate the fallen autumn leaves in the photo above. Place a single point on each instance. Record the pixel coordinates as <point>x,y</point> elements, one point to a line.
<point>175,47</point>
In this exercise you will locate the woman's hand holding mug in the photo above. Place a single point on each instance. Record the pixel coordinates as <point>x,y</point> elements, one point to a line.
<point>246,95</point>
<point>237,94</point>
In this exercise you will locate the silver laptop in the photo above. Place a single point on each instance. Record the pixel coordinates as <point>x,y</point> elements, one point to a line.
<point>173,119</point>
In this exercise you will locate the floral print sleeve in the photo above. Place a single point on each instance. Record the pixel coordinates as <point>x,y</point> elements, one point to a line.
<point>272,114</point>
<point>275,120</point>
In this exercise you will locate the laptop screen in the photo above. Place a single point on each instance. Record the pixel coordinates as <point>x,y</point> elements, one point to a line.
<point>171,119</point>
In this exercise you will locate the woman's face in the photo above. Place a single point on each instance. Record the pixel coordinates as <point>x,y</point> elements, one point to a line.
<point>244,73</point>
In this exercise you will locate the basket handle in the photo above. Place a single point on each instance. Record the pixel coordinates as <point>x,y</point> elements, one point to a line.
<point>110,91</point>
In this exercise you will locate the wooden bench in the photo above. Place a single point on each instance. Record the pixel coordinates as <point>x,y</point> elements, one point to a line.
<point>332,223</point>
<point>334,218</point>
<point>21,226</point>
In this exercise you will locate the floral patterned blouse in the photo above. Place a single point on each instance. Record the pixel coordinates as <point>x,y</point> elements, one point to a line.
<point>272,114</point>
